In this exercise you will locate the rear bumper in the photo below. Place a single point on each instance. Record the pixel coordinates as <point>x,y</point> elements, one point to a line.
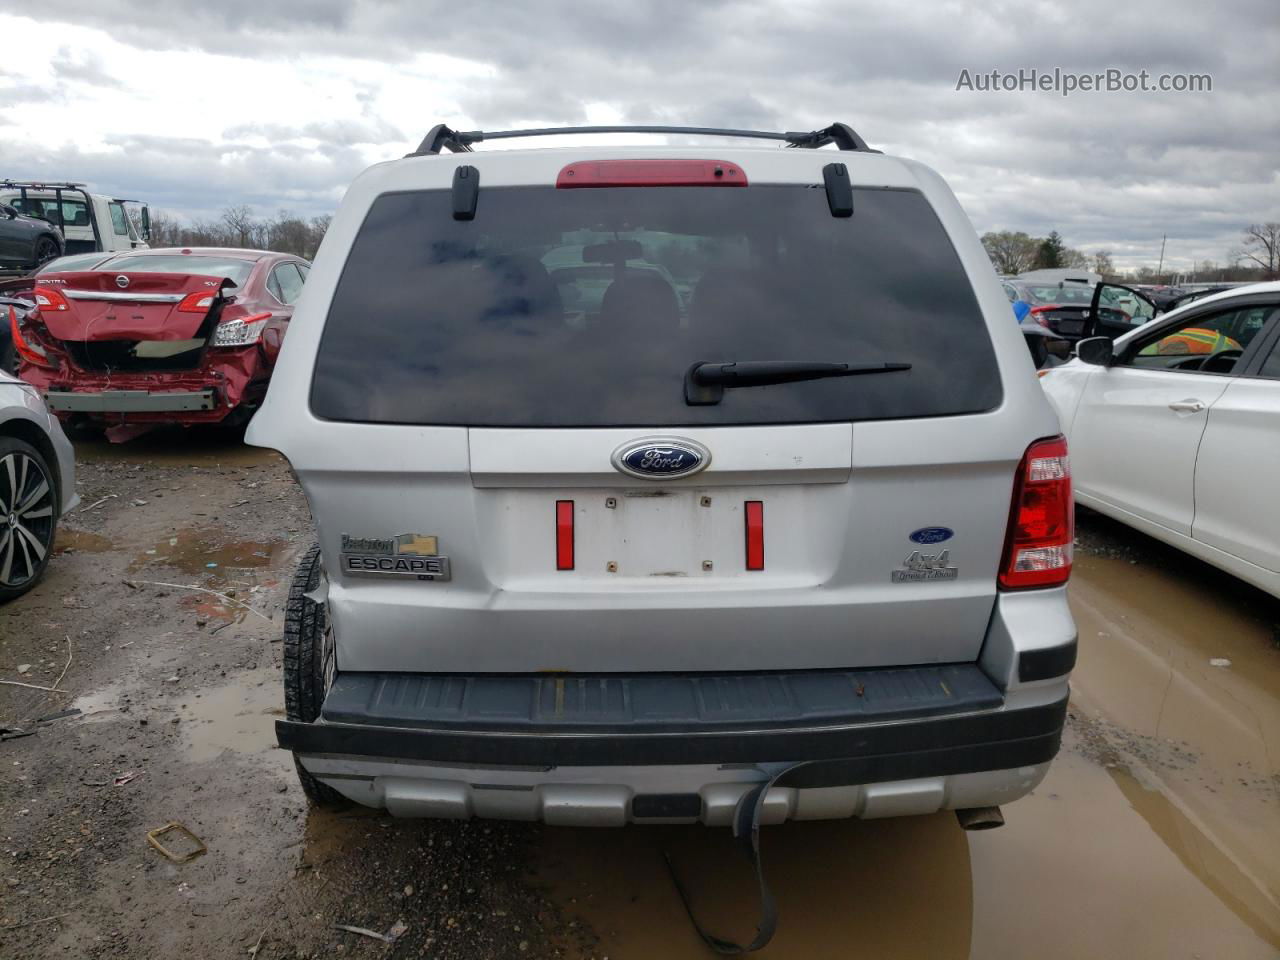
<point>129,401</point>
<point>227,379</point>
<point>931,736</point>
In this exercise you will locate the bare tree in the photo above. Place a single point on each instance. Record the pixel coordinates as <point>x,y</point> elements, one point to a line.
<point>1011,253</point>
<point>1261,245</point>
<point>1076,259</point>
<point>239,221</point>
<point>1102,263</point>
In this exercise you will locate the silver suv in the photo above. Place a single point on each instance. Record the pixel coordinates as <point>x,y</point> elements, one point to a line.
<point>668,484</point>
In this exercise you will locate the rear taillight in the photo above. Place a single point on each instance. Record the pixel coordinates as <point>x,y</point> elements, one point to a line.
<point>1037,549</point>
<point>564,534</point>
<point>49,300</point>
<point>240,333</point>
<point>198,302</point>
<point>753,512</point>
<point>27,351</point>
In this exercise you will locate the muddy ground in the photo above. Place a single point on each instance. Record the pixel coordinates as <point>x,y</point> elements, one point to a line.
<point>1156,834</point>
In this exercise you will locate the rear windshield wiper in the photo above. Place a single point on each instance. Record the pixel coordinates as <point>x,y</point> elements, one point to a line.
<point>705,383</point>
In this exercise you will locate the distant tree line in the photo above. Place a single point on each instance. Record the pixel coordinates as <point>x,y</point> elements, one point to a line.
<point>1256,258</point>
<point>1014,252</point>
<point>238,227</point>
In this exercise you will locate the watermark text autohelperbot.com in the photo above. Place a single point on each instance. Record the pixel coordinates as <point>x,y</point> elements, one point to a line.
<point>1065,82</point>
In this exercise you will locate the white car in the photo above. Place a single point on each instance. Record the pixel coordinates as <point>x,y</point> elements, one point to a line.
<point>642,557</point>
<point>1174,427</point>
<point>37,484</point>
<point>89,222</point>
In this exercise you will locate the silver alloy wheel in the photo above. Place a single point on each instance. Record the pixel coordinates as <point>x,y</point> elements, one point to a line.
<point>26,518</point>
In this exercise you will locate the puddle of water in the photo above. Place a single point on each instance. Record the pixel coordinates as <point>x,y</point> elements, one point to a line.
<point>239,717</point>
<point>1211,865</point>
<point>81,541</point>
<point>102,704</point>
<point>878,888</point>
<point>1211,734</point>
<point>1082,869</point>
<point>207,552</point>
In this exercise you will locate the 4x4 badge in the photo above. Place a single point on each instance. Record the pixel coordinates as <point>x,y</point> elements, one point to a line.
<point>925,566</point>
<point>408,555</point>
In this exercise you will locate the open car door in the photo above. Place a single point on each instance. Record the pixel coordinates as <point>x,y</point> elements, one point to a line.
<point>1116,310</point>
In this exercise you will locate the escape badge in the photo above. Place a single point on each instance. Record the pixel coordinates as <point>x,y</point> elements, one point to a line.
<point>925,566</point>
<point>408,555</point>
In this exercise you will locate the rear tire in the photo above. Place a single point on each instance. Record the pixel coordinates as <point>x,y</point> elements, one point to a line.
<point>28,516</point>
<point>307,650</point>
<point>46,249</point>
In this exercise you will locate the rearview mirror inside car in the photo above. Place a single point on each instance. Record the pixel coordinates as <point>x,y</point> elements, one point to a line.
<point>1098,351</point>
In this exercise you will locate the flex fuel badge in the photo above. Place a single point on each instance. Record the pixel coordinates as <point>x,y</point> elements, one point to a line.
<point>408,555</point>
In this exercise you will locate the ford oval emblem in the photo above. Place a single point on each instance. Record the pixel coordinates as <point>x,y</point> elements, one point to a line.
<point>931,535</point>
<point>661,458</point>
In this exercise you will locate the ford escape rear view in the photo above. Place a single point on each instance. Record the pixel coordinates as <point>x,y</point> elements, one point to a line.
<point>648,477</point>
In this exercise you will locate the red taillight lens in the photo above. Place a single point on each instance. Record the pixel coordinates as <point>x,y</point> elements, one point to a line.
<point>564,534</point>
<point>49,300</point>
<point>198,302</point>
<point>651,173</point>
<point>28,352</point>
<point>753,511</point>
<point>1037,550</point>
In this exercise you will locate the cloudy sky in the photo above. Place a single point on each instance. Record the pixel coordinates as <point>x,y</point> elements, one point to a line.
<point>196,105</point>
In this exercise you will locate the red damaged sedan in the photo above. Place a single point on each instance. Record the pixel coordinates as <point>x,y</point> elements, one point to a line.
<point>159,336</point>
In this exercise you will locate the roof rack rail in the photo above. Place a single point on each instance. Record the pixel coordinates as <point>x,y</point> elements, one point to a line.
<point>43,184</point>
<point>441,137</point>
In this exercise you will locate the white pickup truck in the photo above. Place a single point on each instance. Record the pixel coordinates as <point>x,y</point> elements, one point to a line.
<point>89,222</point>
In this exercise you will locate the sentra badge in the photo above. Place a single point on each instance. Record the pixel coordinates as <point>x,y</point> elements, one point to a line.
<point>925,566</point>
<point>408,555</point>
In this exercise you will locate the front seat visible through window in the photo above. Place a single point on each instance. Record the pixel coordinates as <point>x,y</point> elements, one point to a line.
<point>640,298</point>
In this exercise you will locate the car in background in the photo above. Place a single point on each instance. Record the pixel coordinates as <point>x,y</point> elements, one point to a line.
<point>17,300</point>
<point>1164,296</point>
<point>27,242</point>
<point>37,485</point>
<point>1045,346</point>
<point>86,221</point>
<point>184,336</point>
<point>1059,306</point>
<point>1173,426</point>
<point>1194,295</point>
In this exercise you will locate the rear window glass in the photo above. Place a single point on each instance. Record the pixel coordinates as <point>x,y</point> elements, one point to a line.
<point>1063,295</point>
<point>235,269</point>
<point>585,308</point>
<point>74,212</point>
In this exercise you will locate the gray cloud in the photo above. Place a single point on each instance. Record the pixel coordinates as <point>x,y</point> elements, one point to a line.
<point>82,66</point>
<point>1107,170</point>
